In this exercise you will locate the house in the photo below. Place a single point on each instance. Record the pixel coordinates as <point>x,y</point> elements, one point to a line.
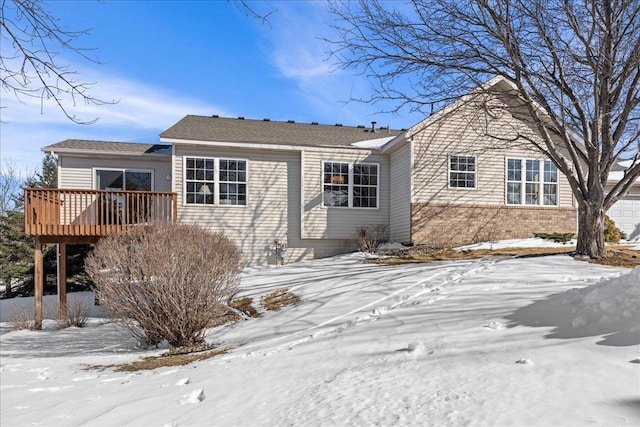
<point>459,176</point>
<point>626,211</point>
<point>442,182</point>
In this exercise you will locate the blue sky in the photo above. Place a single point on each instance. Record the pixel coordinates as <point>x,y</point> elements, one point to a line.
<point>164,59</point>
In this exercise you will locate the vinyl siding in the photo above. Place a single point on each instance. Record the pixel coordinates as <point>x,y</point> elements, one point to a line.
<point>464,132</point>
<point>77,172</point>
<point>400,194</point>
<point>273,181</point>
<point>321,222</point>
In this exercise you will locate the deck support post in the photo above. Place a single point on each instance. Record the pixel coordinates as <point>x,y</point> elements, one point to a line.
<point>38,279</point>
<point>62,279</point>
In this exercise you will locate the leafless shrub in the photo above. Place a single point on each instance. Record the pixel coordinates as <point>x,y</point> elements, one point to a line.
<point>21,318</point>
<point>163,282</point>
<point>77,314</point>
<point>279,298</point>
<point>370,236</point>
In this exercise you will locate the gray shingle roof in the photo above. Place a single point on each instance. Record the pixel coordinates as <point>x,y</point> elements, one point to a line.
<point>108,147</point>
<point>220,129</point>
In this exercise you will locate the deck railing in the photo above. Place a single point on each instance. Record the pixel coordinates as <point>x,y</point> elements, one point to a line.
<point>70,212</point>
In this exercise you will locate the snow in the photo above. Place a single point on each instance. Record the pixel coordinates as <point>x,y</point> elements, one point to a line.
<point>527,342</point>
<point>535,242</point>
<point>373,143</point>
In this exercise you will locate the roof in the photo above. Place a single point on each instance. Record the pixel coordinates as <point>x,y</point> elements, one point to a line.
<point>222,129</point>
<point>108,147</point>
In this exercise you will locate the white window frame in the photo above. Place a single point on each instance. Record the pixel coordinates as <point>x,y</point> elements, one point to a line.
<point>351,185</point>
<point>475,171</point>
<point>216,181</point>
<point>94,175</point>
<point>523,181</point>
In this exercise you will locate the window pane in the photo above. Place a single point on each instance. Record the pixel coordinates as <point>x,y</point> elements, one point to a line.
<point>533,170</point>
<point>514,170</point>
<point>138,181</point>
<point>335,195</point>
<point>109,180</point>
<point>514,196</point>
<point>550,172</point>
<point>550,194</point>
<point>531,194</point>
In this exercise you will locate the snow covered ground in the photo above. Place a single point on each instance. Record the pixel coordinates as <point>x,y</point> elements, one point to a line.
<point>504,342</point>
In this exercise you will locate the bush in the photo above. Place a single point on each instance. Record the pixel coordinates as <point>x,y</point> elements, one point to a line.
<point>369,237</point>
<point>21,318</point>
<point>556,237</point>
<point>612,234</point>
<point>163,282</point>
<point>77,315</point>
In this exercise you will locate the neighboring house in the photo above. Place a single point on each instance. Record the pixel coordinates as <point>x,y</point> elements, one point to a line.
<point>626,211</point>
<point>442,182</point>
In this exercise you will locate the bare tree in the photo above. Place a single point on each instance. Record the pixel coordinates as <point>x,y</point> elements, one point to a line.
<point>574,66</point>
<point>10,183</point>
<point>31,39</point>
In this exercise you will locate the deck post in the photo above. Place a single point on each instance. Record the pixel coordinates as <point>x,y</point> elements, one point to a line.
<point>62,279</point>
<point>38,279</point>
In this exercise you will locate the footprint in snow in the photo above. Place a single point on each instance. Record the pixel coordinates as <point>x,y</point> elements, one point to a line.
<point>183,381</point>
<point>195,396</point>
<point>496,326</point>
<point>524,362</point>
<point>414,349</point>
<point>634,361</point>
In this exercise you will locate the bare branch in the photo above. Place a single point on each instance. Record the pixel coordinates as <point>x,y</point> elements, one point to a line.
<point>29,66</point>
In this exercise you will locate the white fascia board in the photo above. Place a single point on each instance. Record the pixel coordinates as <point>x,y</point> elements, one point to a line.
<point>84,152</point>
<point>259,146</point>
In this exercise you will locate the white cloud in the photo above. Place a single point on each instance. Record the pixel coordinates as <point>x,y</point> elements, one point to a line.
<point>140,115</point>
<point>298,51</point>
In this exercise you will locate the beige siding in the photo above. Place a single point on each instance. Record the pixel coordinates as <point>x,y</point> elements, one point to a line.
<point>321,222</point>
<point>464,131</point>
<point>272,211</point>
<point>400,194</point>
<point>77,172</point>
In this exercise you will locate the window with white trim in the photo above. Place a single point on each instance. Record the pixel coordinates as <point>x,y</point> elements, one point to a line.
<point>350,185</point>
<point>532,182</point>
<point>462,171</point>
<point>214,181</point>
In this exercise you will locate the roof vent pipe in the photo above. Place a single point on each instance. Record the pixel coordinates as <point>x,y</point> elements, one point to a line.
<point>373,126</point>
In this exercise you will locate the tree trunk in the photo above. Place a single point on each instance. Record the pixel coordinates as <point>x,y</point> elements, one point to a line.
<point>591,229</point>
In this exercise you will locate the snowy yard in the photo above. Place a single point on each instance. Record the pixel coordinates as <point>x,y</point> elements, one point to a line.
<point>502,342</point>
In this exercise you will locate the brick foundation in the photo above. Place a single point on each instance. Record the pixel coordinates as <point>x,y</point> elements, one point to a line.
<point>441,225</point>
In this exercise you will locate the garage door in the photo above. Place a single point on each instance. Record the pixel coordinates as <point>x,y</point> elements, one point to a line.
<point>626,214</point>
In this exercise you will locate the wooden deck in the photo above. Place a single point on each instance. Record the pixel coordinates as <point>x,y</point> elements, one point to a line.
<point>67,215</point>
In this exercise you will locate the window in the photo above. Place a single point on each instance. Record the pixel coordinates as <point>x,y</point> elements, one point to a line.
<point>462,172</point>
<point>336,184</point>
<point>352,185</point>
<point>212,181</point>
<point>532,182</point>
<point>365,186</point>
<point>123,179</point>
